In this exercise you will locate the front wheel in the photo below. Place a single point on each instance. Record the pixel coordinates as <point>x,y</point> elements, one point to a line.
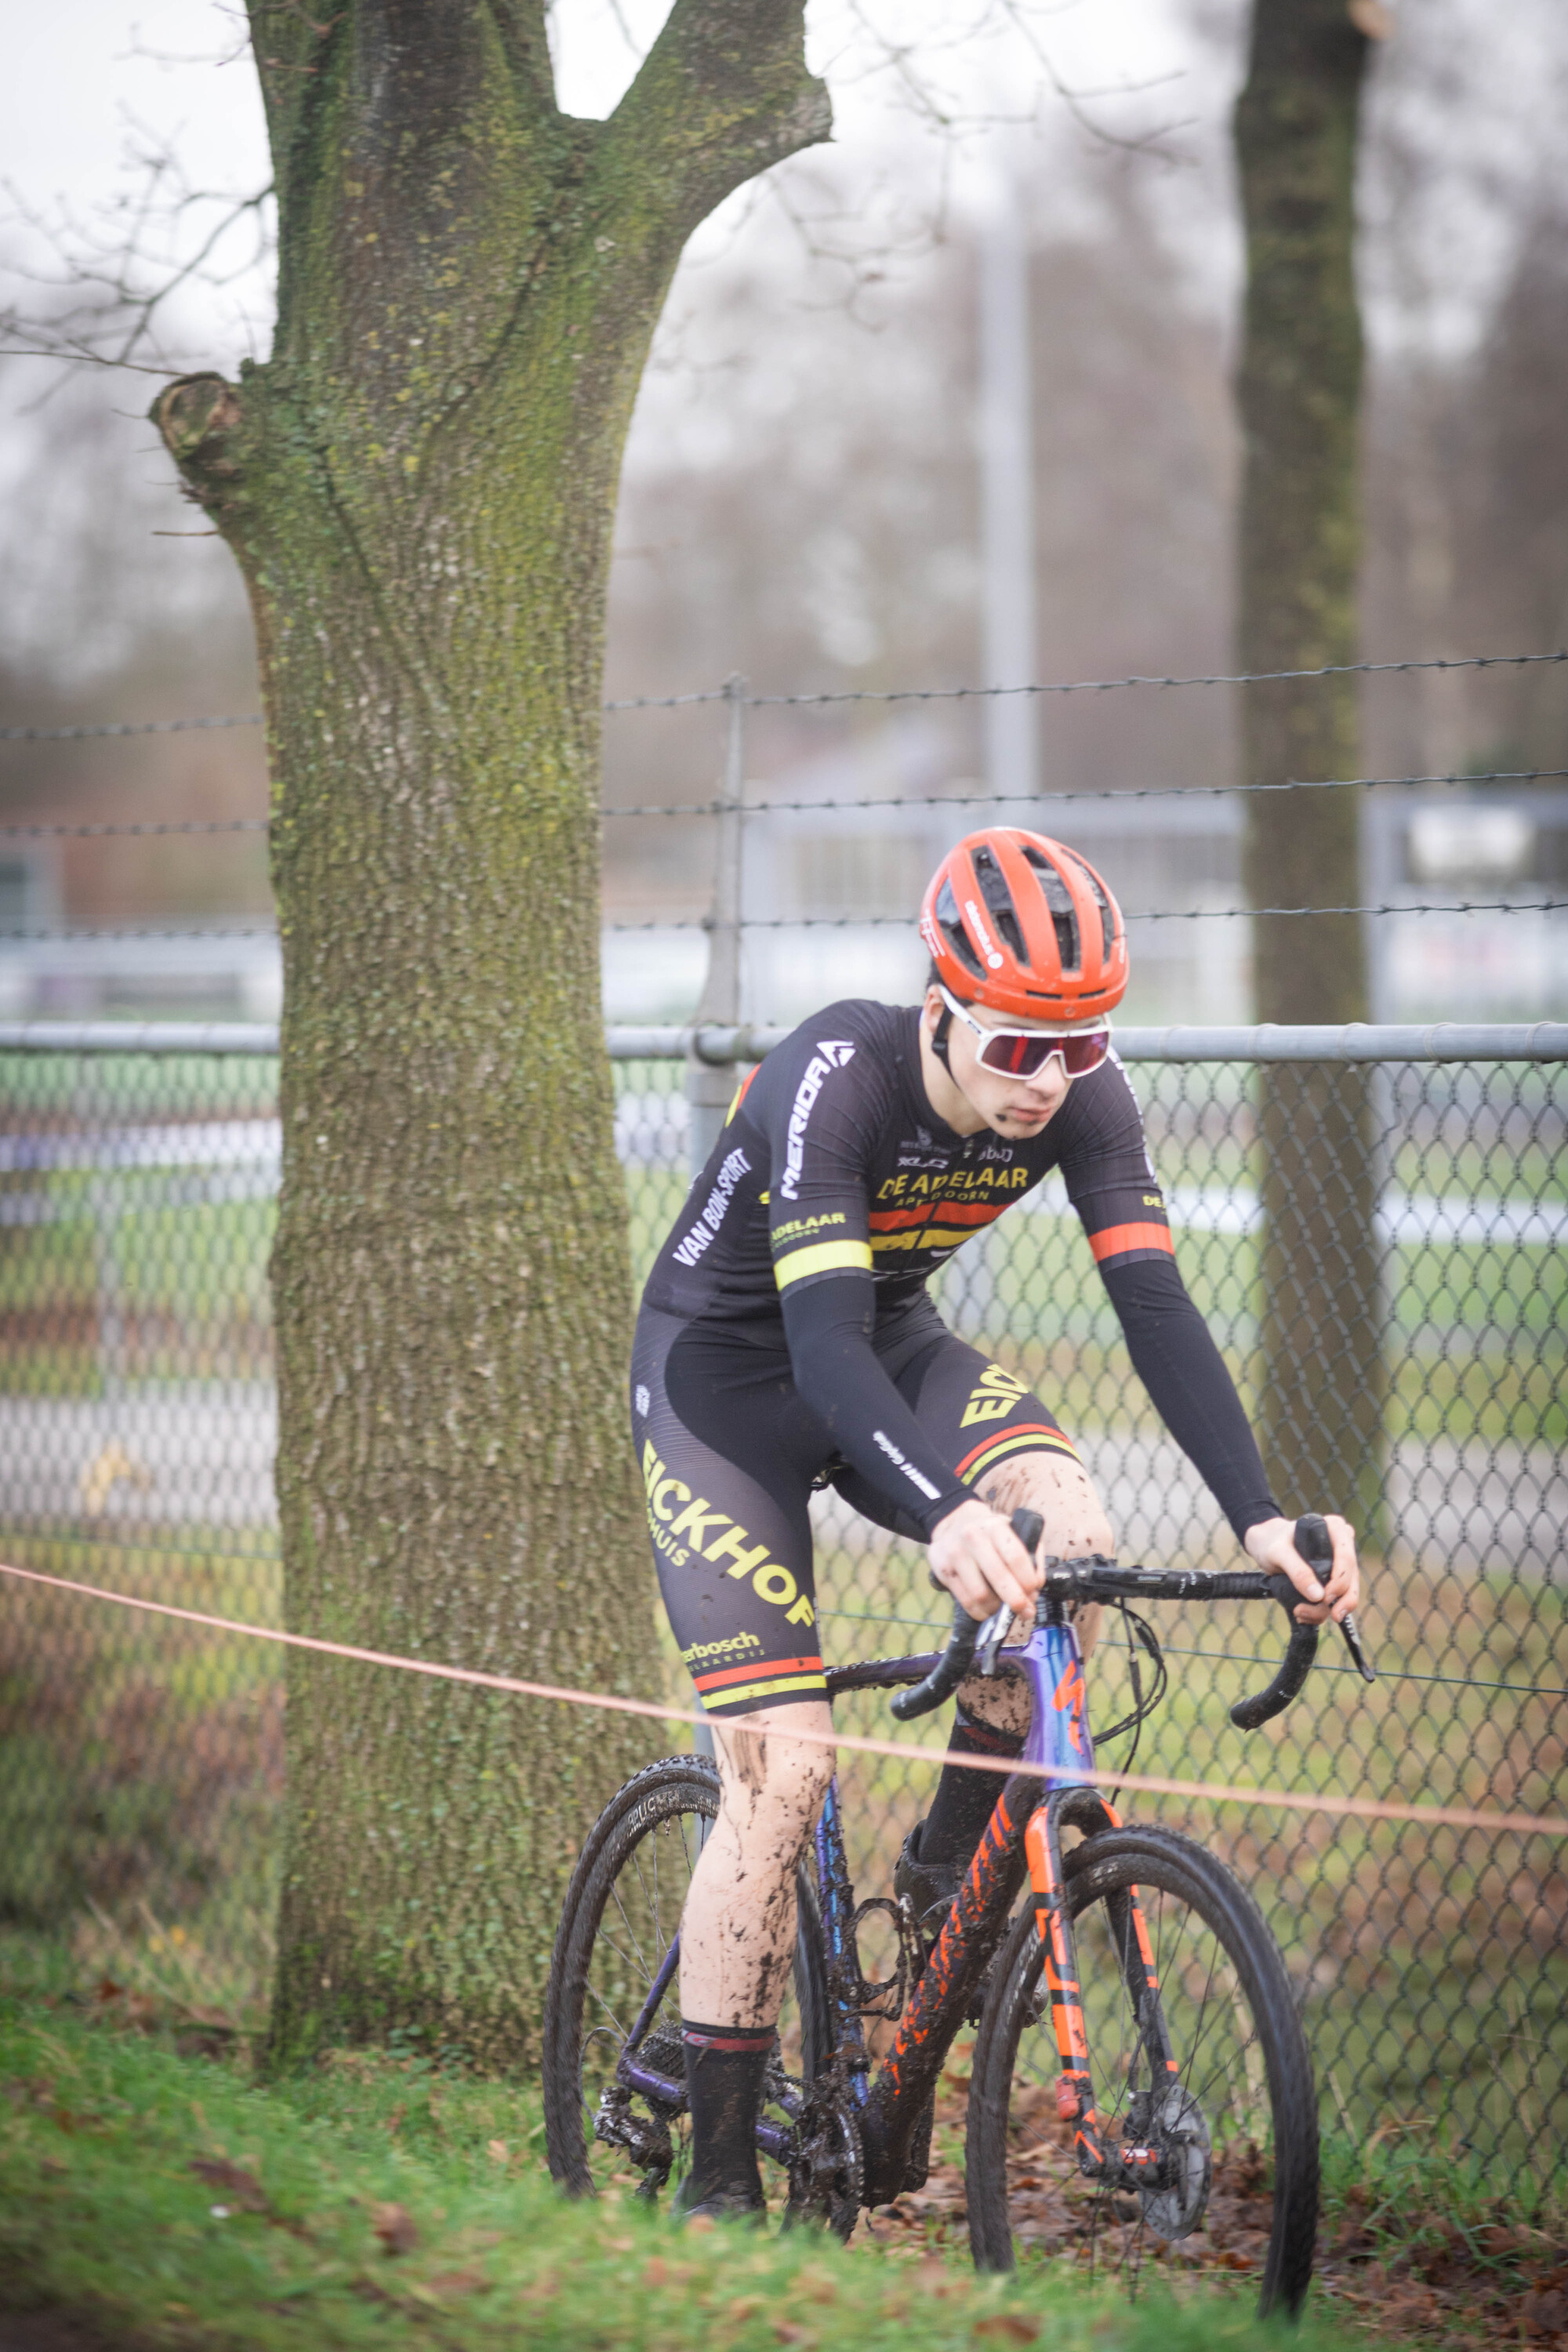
<point>622,1914</point>
<point>1236,2123</point>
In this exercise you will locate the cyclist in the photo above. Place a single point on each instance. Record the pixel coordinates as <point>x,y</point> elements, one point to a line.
<point>786,1341</point>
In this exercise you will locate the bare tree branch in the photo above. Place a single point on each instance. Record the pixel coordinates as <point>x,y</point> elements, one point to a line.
<point>723,94</point>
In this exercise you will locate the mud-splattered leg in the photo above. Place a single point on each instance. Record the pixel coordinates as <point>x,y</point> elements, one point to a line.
<point>738,1933</point>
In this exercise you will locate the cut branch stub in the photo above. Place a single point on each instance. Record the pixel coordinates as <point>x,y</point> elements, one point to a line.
<point>199,417</point>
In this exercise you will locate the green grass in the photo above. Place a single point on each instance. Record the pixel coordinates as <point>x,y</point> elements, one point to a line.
<point>140,1770</point>
<point>285,2238</point>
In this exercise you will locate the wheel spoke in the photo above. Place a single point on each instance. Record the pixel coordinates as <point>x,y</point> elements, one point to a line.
<point>1027,2197</point>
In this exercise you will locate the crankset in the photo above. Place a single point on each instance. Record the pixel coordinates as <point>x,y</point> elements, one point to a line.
<point>827,2163</point>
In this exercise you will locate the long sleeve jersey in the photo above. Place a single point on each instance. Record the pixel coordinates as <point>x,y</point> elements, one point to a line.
<point>835,1192</point>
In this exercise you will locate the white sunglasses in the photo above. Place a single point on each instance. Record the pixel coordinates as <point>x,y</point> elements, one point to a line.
<point>1024,1052</point>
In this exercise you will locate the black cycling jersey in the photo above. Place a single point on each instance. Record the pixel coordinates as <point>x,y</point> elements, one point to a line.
<point>836,1191</point>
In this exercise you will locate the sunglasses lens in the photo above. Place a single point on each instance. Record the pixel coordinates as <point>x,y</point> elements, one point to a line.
<point>1013,1056</point>
<point>1081,1055</point>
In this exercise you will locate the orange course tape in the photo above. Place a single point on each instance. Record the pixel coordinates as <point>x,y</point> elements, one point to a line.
<point>1218,1792</point>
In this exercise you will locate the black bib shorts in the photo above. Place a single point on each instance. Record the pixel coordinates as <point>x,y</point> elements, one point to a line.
<point>729,1454</point>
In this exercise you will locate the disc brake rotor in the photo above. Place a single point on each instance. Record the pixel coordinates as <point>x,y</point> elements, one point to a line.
<point>1180,2129</point>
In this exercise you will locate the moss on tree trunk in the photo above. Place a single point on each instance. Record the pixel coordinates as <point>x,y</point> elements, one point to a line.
<point>1323,1378</point>
<point>419,486</point>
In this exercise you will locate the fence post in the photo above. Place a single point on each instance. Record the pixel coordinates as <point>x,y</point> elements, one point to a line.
<point>710,1085</point>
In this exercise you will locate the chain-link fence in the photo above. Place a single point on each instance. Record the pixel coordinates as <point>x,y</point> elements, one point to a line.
<point>141,1761</point>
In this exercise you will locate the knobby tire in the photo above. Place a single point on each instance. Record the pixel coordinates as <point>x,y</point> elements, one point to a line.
<point>1236,2036</point>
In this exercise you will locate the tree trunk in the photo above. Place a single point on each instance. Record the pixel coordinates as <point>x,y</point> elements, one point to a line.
<point>1323,1377</point>
<point>420,487</point>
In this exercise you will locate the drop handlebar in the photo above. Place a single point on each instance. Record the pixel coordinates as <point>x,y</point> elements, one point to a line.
<point>973,1646</point>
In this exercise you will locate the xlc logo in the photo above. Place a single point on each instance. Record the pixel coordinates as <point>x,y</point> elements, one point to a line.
<point>994,1397</point>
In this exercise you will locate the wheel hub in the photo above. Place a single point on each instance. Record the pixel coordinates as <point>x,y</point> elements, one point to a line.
<point>1181,2131</point>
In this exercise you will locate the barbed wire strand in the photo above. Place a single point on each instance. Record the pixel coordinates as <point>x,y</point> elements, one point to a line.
<point>897,801</point>
<point>1112,792</point>
<point>1072,686</point>
<point>868,922</point>
<point>1130,915</point>
<point>1212,1791</point>
<point>170,824</point>
<point>853,694</point>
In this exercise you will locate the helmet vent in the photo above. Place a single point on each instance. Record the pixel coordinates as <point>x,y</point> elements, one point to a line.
<point>999,902</point>
<point>1107,928</point>
<point>953,931</point>
<point>1058,899</point>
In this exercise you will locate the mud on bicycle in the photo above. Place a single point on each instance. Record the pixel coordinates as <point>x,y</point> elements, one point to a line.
<point>1141,2085</point>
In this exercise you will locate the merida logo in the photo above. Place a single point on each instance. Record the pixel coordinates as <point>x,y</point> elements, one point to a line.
<point>832,1054</point>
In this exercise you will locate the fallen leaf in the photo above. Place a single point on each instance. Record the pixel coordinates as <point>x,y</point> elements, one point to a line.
<point>656,2271</point>
<point>395,2120</point>
<point>498,2151</point>
<point>394,2225</point>
<point>454,2283</point>
<point>1007,2327</point>
<point>788,2333</point>
<point>238,2186</point>
<point>746,2307</point>
<point>702,2223</point>
<point>620,2245</point>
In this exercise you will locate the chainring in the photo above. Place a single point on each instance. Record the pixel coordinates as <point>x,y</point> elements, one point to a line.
<point>826,2165</point>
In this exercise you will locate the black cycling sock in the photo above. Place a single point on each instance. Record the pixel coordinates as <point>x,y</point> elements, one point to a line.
<point>964,1799</point>
<point>725,2066</point>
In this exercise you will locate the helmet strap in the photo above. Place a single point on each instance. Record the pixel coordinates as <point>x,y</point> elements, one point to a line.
<point>939,1037</point>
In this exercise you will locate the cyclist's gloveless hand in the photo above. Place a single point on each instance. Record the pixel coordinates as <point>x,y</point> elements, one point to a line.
<point>975,1554</point>
<point>1273,1546</point>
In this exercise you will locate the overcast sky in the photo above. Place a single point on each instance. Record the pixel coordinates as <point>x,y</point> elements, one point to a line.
<point>93,83</point>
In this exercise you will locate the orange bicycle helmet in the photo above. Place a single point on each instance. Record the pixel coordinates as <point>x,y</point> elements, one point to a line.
<point>1025,926</point>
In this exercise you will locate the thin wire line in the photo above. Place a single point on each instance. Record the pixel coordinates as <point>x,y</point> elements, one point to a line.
<point>868,922</point>
<point>1074,686</point>
<point>1217,1791</point>
<point>123,727</point>
<point>90,832</point>
<point>860,694</point>
<point>1127,792</point>
<point>898,800</point>
<point>1132,915</point>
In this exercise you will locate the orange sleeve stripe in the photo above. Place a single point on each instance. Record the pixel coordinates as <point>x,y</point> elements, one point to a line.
<point>1116,1239</point>
<point>1038,1433</point>
<point>755,1667</point>
<point>890,1221</point>
<point>950,1213</point>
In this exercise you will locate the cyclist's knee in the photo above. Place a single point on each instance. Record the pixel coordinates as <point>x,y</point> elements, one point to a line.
<point>773,1780</point>
<point>1060,1489</point>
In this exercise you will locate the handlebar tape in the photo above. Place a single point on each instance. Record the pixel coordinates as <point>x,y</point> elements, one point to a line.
<point>1316,1547</point>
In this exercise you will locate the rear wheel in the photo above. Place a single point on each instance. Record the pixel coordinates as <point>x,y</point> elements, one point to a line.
<point>622,1913</point>
<point>1238,2121</point>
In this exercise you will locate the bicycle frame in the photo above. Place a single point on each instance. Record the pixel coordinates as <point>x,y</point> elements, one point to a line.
<point>1051,1788</point>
